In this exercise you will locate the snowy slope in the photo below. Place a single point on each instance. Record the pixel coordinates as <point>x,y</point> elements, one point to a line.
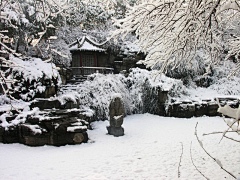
<point>150,149</point>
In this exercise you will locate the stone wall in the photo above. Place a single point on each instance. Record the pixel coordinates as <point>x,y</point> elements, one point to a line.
<point>55,131</point>
<point>188,109</point>
<point>65,73</point>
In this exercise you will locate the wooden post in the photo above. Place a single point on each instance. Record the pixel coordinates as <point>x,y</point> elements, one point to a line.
<point>95,58</point>
<point>81,64</point>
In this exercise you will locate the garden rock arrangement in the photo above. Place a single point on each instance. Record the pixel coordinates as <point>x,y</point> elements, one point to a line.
<point>59,124</point>
<point>116,113</point>
<point>49,127</point>
<point>42,104</point>
<point>188,109</point>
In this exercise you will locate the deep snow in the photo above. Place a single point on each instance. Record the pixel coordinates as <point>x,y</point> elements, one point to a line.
<point>150,149</point>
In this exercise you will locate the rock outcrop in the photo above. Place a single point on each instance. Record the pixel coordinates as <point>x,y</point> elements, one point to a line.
<point>51,126</point>
<point>208,107</point>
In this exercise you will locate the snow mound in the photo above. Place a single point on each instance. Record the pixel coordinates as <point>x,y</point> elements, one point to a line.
<point>33,76</point>
<point>34,68</point>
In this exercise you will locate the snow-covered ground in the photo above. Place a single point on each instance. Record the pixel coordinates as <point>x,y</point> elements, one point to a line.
<point>150,149</point>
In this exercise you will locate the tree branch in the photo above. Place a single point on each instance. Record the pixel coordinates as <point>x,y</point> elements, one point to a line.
<point>195,165</point>
<point>216,160</point>
<point>179,174</point>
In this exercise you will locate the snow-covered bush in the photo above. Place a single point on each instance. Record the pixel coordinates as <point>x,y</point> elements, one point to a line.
<point>143,91</point>
<point>145,88</point>
<point>23,25</point>
<point>58,52</point>
<point>95,93</point>
<point>33,76</point>
<point>138,90</point>
<point>222,84</point>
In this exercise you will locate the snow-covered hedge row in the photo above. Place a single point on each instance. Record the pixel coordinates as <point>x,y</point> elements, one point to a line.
<point>95,94</point>
<point>143,89</point>
<point>138,90</point>
<point>33,76</point>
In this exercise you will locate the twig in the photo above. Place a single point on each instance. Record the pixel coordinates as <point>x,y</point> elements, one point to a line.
<point>180,161</point>
<point>224,135</point>
<point>229,127</point>
<point>231,139</point>
<point>216,160</point>
<point>194,164</point>
<point>219,132</point>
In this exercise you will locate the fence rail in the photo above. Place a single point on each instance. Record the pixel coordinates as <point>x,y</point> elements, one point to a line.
<point>84,71</point>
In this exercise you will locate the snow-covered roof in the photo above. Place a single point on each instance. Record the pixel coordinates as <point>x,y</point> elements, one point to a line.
<point>86,44</point>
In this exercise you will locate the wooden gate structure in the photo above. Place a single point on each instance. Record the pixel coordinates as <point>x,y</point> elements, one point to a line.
<point>88,57</point>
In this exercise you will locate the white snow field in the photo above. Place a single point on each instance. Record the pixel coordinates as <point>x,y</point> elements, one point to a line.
<point>150,149</point>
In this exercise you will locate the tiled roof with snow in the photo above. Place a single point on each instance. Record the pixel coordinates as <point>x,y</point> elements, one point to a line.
<point>86,44</point>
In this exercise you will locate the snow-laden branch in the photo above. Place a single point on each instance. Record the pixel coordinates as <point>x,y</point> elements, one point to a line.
<point>232,113</point>
<point>171,31</point>
<point>179,165</point>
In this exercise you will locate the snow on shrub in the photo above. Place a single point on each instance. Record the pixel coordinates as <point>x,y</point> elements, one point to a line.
<point>222,84</point>
<point>33,76</point>
<point>95,93</point>
<point>58,51</point>
<point>144,89</point>
<point>139,92</point>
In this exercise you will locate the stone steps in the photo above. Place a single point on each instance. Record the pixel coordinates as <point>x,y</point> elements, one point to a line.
<point>77,79</point>
<point>69,88</point>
